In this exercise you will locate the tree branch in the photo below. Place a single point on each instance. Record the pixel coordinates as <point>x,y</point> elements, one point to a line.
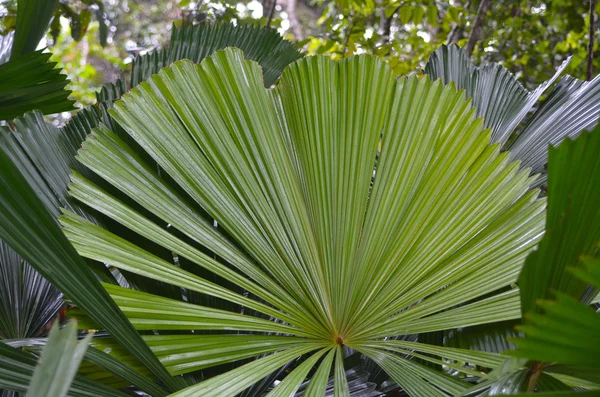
<point>590,48</point>
<point>271,12</point>
<point>457,30</point>
<point>386,24</point>
<point>477,31</point>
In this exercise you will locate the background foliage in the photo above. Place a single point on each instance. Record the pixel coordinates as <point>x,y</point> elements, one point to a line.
<point>95,40</point>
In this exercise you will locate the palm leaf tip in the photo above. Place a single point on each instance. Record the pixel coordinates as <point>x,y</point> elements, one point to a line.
<point>346,249</point>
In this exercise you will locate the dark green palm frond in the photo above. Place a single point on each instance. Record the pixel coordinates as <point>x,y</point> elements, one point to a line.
<point>31,82</point>
<point>28,225</point>
<point>27,300</point>
<point>572,223</point>
<point>33,19</point>
<point>196,42</point>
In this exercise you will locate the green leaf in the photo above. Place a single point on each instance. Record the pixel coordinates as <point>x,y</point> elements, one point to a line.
<point>565,333</point>
<point>33,19</point>
<point>591,274</point>
<point>432,15</point>
<point>236,380</point>
<point>29,227</point>
<point>351,206</point>
<point>27,300</point>
<point>404,14</point>
<point>17,371</point>
<point>118,368</point>
<point>572,224</point>
<point>291,383</point>
<point>503,103</point>
<point>418,14</point>
<point>320,380</point>
<point>59,362</point>
<point>31,82</point>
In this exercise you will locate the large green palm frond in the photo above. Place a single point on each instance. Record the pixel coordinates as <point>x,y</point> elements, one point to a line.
<point>45,154</point>
<point>32,82</point>
<point>332,250</point>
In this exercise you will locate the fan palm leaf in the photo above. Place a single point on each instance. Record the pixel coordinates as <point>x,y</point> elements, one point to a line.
<point>352,206</point>
<point>570,108</point>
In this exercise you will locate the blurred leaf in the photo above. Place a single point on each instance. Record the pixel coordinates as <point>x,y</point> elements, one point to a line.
<point>418,14</point>
<point>33,18</point>
<point>432,15</point>
<point>404,14</point>
<point>103,31</point>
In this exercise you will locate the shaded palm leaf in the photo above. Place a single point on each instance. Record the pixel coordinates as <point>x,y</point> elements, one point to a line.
<point>29,226</point>
<point>27,300</point>
<point>196,42</point>
<point>572,224</point>
<point>33,19</point>
<point>31,82</point>
<point>564,330</point>
<point>288,173</point>
<point>504,103</point>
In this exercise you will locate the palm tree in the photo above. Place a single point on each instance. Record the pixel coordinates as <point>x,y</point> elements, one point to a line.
<point>352,209</point>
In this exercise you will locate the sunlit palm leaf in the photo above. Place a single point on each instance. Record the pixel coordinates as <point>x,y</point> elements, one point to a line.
<point>434,242</point>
